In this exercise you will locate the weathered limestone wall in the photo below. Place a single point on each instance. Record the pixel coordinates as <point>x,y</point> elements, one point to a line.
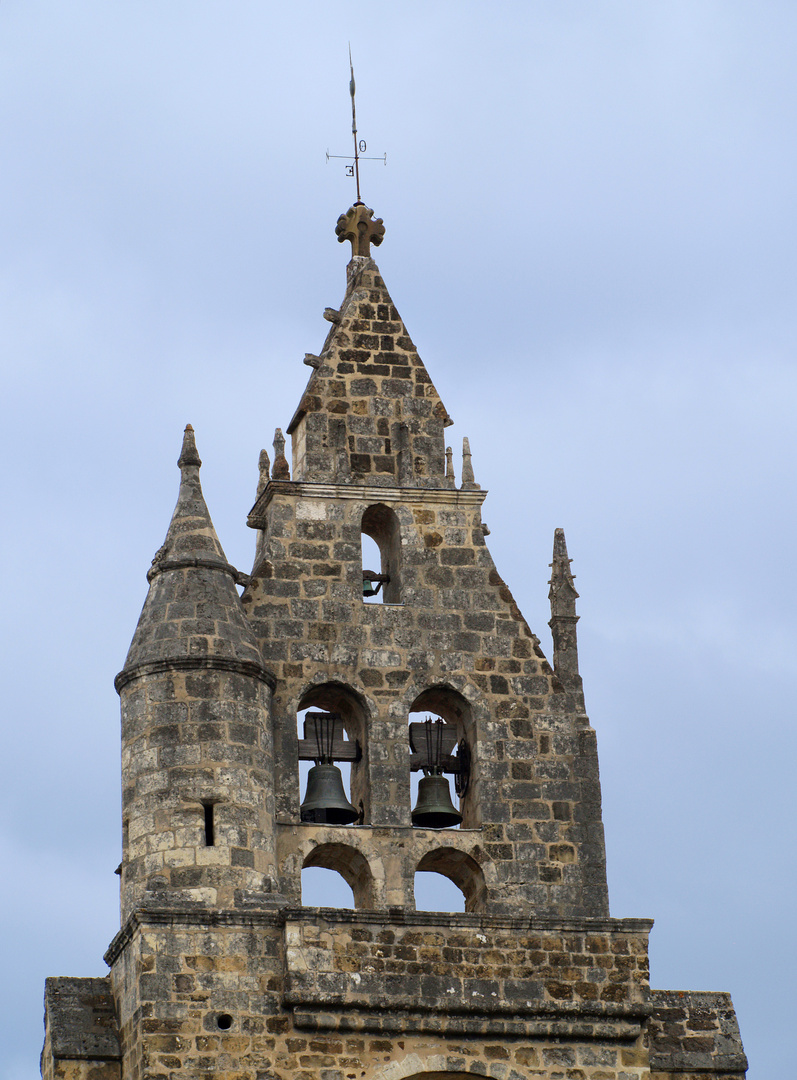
<point>80,1036</point>
<point>693,1032</point>
<point>370,412</point>
<point>342,995</point>
<point>190,738</point>
<point>456,636</point>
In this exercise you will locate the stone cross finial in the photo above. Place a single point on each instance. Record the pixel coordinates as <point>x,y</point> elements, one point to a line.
<point>281,470</point>
<point>357,226</point>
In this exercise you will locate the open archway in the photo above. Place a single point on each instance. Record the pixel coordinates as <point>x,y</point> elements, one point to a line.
<point>462,870</point>
<point>350,864</point>
<point>344,702</point>
<point>381,525</point>
<point>447,704</point>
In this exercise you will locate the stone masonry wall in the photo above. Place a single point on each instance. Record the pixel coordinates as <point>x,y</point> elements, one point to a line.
<point>692,1033</point>
<point>205,997</point>
<point>370,412</point>
<point>191,738</point>
<point>455,632</point>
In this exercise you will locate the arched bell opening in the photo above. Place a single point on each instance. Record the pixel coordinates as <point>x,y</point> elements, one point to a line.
<point>349,864</point>
<point>332,721</point>
<point>442,743</point>
<point>381,544</point>
<point>461,870</point>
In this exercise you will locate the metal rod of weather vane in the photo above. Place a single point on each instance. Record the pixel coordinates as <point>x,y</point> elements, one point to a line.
<point>354,129</point>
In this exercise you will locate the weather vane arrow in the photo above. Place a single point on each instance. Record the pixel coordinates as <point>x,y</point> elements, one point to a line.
<point>360,145</point>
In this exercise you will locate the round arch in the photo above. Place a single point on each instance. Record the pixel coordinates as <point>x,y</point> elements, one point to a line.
<point>338,697</point>
<point>463,870</point>
<point>352,866</point>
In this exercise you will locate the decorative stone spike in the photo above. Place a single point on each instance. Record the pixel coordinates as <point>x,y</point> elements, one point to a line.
<point>332,314</point>
<point>562,595</point>
<point>312,360</point>
<point>357,226</point>
<point>450,478</point>
<point>468,479</point>
<point>189,455</point>
<point>281,470</point>
<point>264,466</point>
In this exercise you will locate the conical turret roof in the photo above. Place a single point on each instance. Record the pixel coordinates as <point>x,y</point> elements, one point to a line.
<point>192,610</point>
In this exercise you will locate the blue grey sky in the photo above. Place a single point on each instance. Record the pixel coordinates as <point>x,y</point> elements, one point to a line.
<point>590,215</point>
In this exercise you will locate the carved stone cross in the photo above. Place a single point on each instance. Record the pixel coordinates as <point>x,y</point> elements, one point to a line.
<point>357,226</point>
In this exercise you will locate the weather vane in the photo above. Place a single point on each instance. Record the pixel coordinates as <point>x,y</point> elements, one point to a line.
<point>360,145</point>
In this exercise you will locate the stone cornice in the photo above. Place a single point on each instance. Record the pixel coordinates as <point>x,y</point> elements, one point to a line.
<point>191,663</point>
<point>368,493</point>
<point>279,914</point>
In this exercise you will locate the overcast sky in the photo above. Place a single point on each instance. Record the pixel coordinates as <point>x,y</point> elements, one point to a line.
<point>590,215</point>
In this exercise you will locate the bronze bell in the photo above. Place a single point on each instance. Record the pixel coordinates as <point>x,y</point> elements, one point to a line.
<point>434,809</point>
<point>325,801</point>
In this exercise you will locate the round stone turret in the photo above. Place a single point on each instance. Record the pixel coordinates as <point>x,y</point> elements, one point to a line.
<point>197,798</point>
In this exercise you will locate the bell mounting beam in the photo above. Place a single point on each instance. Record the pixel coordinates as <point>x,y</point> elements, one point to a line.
<point>325,731</point>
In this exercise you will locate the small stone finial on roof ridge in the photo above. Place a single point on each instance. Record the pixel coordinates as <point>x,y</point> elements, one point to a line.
<point>560,567</point>
<point>280,469</point>
<point>357,226</point>
<point>562,595</point>
<point>264,467</point>
<point>450,478</point>
<point>189,454</point>
<point>468,479</point>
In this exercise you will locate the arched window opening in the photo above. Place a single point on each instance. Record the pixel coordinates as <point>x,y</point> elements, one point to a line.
<point>325,888</point>
<point>332,724</point>
<point>381,525</point>
<point>443,748</point>
<point>336,875</point>
<point>464,874</point>
<point>372,569</point>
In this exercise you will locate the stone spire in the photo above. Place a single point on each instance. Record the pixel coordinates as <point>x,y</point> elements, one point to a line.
<point>563,596</point>
<point>468,479</point>
<point>192,610</point>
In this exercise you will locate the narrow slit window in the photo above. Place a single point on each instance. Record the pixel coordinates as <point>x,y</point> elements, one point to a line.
<point>210,831</point>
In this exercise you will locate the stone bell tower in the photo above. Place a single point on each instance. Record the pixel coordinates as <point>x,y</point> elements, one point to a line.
<point>420,664</point>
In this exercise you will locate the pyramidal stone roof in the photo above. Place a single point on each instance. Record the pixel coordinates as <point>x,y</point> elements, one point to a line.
<point>370,412</point>
<point>192,611</point>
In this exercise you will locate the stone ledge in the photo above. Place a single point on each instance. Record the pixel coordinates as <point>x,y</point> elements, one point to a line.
<point>80,1017</point>
<point>397,917</point>
<point>190,663</point>
<point>181,914</point>
<point>439,496</point>
<point>588,1027</point>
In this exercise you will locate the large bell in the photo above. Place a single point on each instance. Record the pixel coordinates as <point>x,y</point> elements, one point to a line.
<point>325,801</point>
<point>434,809</point>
